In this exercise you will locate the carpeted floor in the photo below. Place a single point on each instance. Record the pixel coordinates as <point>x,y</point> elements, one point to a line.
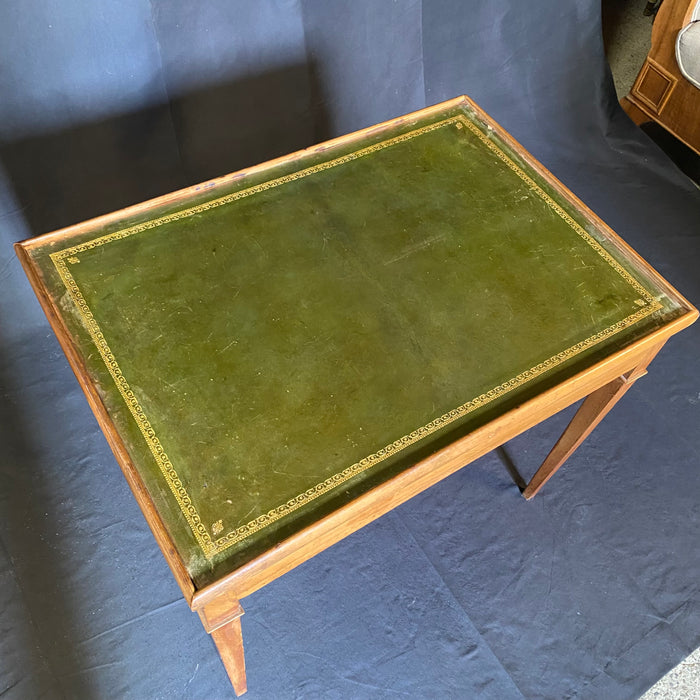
<point>627,38</point>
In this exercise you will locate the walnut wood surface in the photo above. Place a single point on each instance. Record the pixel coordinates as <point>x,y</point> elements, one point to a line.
<point>229,642</point>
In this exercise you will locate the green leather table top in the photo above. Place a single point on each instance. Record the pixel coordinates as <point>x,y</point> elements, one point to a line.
<point>271,348</point>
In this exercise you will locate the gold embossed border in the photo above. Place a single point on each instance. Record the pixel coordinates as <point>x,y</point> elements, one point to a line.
<point>208,544</point>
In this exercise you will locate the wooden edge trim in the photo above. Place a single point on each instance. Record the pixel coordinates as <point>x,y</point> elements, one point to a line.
<point>672,82</point>
<point>634,100</point>
<point>351,517</point>
<point>641,97</point>
<point>135,482</point>
<point>641,369</point>
<point>566,193</point>
<point>655,107</point>
<point>632,376</point>
<point>210,185</point>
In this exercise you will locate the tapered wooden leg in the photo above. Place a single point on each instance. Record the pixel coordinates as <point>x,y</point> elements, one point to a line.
<point>221,617</point>
<point>229,642</point>
<point>594,408</point>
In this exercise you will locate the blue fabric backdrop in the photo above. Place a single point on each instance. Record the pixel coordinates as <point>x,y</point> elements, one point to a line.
<point>589,591</point>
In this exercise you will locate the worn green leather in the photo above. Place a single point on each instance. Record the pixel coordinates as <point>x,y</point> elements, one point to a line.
<point>272,349</point>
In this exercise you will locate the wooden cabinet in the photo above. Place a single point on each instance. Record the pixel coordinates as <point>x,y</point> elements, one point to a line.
<point>661,93</point>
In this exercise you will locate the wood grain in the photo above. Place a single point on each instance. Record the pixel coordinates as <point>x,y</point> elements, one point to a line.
<point>591,412</point>
<point>677,110</point>
<point>229,642</point>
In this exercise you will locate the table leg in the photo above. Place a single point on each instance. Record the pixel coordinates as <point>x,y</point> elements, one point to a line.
<point>229,642</point>
<point>594,408</point>
<point>221,618</point>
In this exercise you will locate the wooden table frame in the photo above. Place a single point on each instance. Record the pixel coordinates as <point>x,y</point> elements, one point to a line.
<point>218,604</point>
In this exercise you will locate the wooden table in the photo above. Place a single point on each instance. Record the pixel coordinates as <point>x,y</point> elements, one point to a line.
<point>282,355</point>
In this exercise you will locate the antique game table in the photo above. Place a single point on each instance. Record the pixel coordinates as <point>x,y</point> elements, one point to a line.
<point>282,355</point>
